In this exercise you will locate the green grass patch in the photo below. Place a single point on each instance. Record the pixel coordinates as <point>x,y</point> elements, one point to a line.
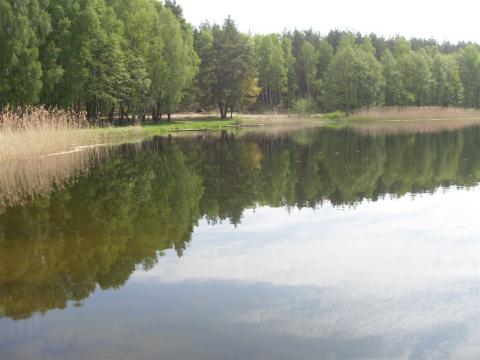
<point>335,116</point>
<point>163,128</point>
<point>126,133</point>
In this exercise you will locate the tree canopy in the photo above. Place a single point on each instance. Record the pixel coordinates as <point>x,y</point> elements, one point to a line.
<point>133,59</point>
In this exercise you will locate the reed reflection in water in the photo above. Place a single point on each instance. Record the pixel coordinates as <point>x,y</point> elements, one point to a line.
<point>24,180</point>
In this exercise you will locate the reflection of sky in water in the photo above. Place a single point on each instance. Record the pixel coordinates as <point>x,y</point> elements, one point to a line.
<point>398,268</point>
<point>401,245</point>
<point>393,278</point>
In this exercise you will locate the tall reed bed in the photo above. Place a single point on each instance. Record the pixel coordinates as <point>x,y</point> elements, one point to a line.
<point>33,132</point>
<point>415,113</point>
<point>411,126</point>
<point>41,149</point>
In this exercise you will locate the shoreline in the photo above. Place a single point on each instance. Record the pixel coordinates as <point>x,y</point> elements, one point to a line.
<point>87,138</point>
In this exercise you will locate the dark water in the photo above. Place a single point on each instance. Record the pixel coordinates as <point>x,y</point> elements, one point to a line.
<point>299,245</point>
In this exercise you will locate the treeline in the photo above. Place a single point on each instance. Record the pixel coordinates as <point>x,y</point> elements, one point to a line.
<point>307,72</point>
<point>133,59</point>
<point>127,57</point>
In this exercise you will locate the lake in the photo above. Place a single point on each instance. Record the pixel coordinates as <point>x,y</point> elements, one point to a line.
<point>355,242</point>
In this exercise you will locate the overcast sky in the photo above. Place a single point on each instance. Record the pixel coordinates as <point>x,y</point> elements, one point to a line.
<point>452,20</point>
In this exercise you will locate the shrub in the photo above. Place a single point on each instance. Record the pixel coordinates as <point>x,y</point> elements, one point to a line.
<point>304,107</point>
<point>336,115</point>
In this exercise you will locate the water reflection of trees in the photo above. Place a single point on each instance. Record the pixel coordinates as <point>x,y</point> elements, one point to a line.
<point>136,204</point>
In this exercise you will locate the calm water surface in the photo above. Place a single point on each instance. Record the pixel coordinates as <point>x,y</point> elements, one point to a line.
<point>308,244</point>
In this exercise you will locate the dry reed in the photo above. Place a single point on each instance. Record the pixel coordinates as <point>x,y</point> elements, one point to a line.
<point>415,113</point>
<point>34,132</point>
<point>41,149</point>
<point>411,126</point>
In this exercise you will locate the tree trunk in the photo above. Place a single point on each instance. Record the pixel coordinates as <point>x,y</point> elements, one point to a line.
<point>126,112</point>
<point>97,110</point>
<point>159,111</point>
<point>77,109</point>
<point>91,110</point>
<point>133,116</point>
<point>225,110</point>
<point>221,110</point>
<point>110,116</point>
<point>169,119</point>
<point>154,114</point>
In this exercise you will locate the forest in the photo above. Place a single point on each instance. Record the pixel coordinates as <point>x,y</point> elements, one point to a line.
<point>141,59</point>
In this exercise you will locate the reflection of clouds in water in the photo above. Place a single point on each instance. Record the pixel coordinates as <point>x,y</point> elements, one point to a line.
<point>385,248</point>
<point>430,321</point>
<point>404,270</point>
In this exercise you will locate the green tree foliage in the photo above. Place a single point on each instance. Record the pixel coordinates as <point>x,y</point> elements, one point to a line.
<point>419,80</point>
<point>272,71</point>
<point>415,69</point>
<point>469,62</point>
<point>309,60</point>
<point>90,56</point>
<point>119,59</point>
<point>325,56</point>
<point>180,62</point>
<point>447,87</point>
<point>229,67</point>
<point>141,45</point>
<point>23,28</point>
<point>292,83</point>
<point>354,78</point>
<point>394,89</point>
<point>206,78</point>
<point>100,56</point>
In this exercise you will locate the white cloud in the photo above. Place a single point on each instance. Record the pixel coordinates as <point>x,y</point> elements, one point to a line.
<point>440,19</point>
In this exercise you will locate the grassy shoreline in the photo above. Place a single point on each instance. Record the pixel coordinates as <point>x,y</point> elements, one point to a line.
<point>47,149</point>
<point>43,132</point>
<point>189,125</point>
